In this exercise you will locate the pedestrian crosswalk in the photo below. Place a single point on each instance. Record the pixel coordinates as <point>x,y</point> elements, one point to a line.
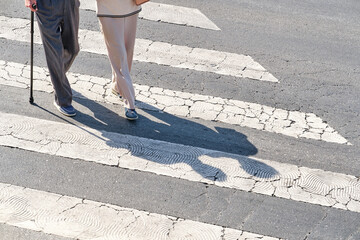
<point>290,123</point>
<point>148,51</point>
<point>84,219</point>
<point>160,12</point>
<point>81,218</point>
<point>178,161</point>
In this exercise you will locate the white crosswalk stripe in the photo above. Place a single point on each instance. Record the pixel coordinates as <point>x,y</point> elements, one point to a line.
<point>84,219</point>
<point>167,54</point>
<point>190,163</point>
<point>290,123</point>
<point>166,13</point>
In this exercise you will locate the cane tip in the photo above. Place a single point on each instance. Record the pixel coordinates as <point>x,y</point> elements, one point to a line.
<point>31,100</point>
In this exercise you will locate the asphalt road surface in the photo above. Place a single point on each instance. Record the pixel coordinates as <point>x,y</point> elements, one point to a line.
<point>249,127</point>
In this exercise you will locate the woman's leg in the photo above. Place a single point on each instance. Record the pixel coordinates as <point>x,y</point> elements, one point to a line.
<point>114,35</point>
<point>130,36</point>
<point>130,30</point>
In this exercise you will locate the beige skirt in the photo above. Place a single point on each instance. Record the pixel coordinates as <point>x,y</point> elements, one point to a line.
<point>116,8</point>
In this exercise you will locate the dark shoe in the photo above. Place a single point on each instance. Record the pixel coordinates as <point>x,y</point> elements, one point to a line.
<point>131,114</point>
<point>113,91</point>
<point>68,111</point>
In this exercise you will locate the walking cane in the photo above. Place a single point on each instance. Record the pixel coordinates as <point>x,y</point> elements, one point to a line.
<point>31,100</point>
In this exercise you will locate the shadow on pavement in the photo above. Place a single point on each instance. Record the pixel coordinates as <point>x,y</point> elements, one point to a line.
<point>188,135</point>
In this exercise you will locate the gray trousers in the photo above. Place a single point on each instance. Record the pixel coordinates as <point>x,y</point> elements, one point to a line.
<point>59,24</point>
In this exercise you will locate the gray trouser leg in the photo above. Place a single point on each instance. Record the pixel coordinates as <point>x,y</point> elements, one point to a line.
<point>59,22</point>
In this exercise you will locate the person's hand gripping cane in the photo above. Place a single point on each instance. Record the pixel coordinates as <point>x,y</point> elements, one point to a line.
<point>31,4</point>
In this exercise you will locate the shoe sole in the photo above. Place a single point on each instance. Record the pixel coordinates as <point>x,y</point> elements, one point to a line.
<point>131,119</point>
<point>64,113</point>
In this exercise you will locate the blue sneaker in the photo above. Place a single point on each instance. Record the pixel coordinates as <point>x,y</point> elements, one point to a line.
<point>131,114</point>
<point>67,111</point>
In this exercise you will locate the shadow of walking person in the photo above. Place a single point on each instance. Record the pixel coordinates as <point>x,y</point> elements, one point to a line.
<point>187,158</point>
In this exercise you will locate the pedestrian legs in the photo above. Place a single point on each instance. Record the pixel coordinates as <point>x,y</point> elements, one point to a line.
<point>119,34</point>
<point>58,22</point>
